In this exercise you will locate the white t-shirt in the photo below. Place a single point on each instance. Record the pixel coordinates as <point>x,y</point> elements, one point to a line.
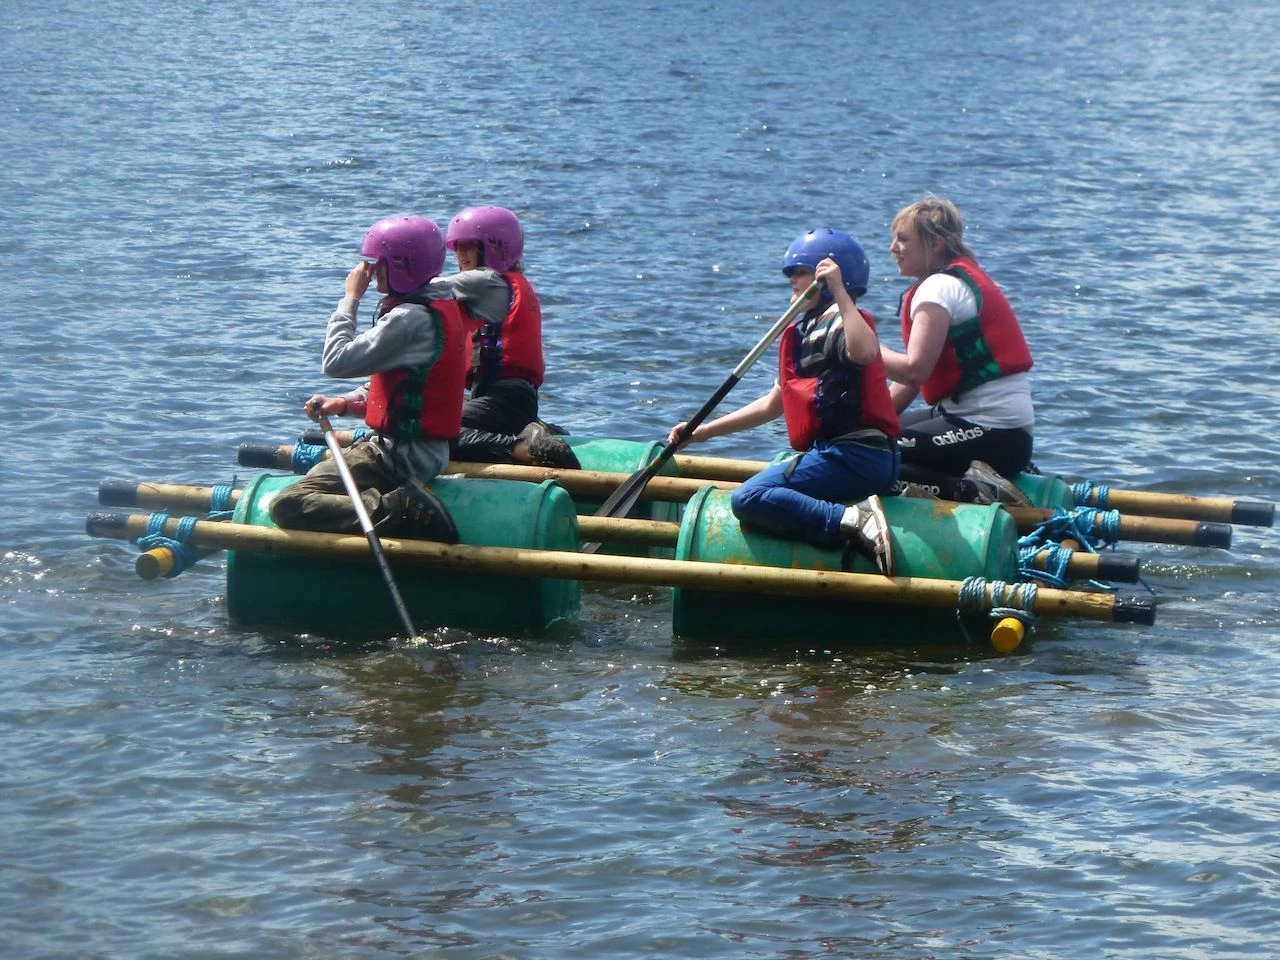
<point>1004,403</point>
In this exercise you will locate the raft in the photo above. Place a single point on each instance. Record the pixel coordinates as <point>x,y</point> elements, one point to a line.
<point>960,568</point>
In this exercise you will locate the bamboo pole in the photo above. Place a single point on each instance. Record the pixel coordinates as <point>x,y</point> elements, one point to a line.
<point>1193,533</point>
<point>680,489</point>
<point>272,456</point>
<point>1111,567</point>
<point>1255,513</point>
<point>598,483</point>
<point>690,574</point>
<point>702,468</point>
<point>312,435</point>
<point>1147,503</point>
<point>1116,568</point>
<point>159,496</point>
<point>718,468</point>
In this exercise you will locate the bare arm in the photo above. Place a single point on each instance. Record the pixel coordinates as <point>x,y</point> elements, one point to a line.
<point>762,409</point>
<point>901,395</point>
<point>930,324</point>
<point>860,340</point>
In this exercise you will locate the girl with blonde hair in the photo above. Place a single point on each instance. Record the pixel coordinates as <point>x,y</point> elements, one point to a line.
<point>965,355</point>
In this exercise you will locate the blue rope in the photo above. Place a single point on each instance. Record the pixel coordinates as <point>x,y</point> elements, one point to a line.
<point>184,553</point>
<point>220,506</point>
<point>1055,565</point>
<point>305,456</point>
<point>973,595</point>
<point>1098,527</point>
<point>1087,494</point>
<point>1088,526</point>
<point>1007,600</point>
<point>1027,619</point>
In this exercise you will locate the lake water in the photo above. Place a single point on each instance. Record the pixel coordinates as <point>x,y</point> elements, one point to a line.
<point>183,189</point>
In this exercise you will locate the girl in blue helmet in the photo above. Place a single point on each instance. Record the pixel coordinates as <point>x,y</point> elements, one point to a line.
<point>966,356</point>
<point>832,392</point>
<point>500,417</point>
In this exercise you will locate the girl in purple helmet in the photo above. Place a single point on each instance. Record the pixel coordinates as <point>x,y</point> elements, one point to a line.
<point>415,356</point>
<point>500,418</point>
<point>831,390</point>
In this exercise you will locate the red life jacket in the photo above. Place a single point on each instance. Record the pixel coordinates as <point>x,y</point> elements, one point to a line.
<point>408,403</point>
<point>986,348</point>
<point>824,395</point>
<point>512,348</point>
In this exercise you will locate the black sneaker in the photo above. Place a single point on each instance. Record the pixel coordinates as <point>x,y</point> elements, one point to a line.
<point>555,428</point>
<point>996,488</point>
<point>414,512</point>
<point>547,449</point>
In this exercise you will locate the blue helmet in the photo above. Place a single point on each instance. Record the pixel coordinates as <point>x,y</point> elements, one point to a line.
<point>821,242</point>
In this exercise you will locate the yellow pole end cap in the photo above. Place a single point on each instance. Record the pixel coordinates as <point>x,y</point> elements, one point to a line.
<point>1007,634</point>
<point>156,562</point>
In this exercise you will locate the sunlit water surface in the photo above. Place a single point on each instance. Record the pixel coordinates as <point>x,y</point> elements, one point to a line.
<point>183,189</point>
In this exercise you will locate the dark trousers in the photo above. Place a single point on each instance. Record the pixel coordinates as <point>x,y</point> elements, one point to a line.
<point>319,500</point>
<point>937,449</point>
<point>492,419</point>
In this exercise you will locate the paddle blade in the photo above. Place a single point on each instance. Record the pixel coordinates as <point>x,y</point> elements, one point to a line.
<point>620,502</point>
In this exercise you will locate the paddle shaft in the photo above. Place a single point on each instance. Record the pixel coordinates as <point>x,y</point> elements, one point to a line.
<point>375,546</point>
<point>690,574</point>
<point>745,364</point>
<point>620,502</point>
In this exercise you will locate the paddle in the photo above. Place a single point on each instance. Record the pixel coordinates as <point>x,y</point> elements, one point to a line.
<point>348,481</point>
<point>628,492</point>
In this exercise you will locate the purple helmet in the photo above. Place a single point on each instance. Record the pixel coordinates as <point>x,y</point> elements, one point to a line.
<point>412,248</point>
<point>498,231</point>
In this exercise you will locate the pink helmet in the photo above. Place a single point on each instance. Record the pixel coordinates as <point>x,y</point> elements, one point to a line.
<point>498,231</point>
<point>412,248</point>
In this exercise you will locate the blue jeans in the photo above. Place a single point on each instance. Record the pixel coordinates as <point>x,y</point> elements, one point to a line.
<point>803,498</point>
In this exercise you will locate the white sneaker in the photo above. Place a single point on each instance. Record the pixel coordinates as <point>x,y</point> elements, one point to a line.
<point>994,486</point>
<point>864,525</point>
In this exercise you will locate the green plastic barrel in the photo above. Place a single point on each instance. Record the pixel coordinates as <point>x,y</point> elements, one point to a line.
<point>1046,490</point>
<point>316,594</point>
<point>626,457</point>
<point>932,538</point>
